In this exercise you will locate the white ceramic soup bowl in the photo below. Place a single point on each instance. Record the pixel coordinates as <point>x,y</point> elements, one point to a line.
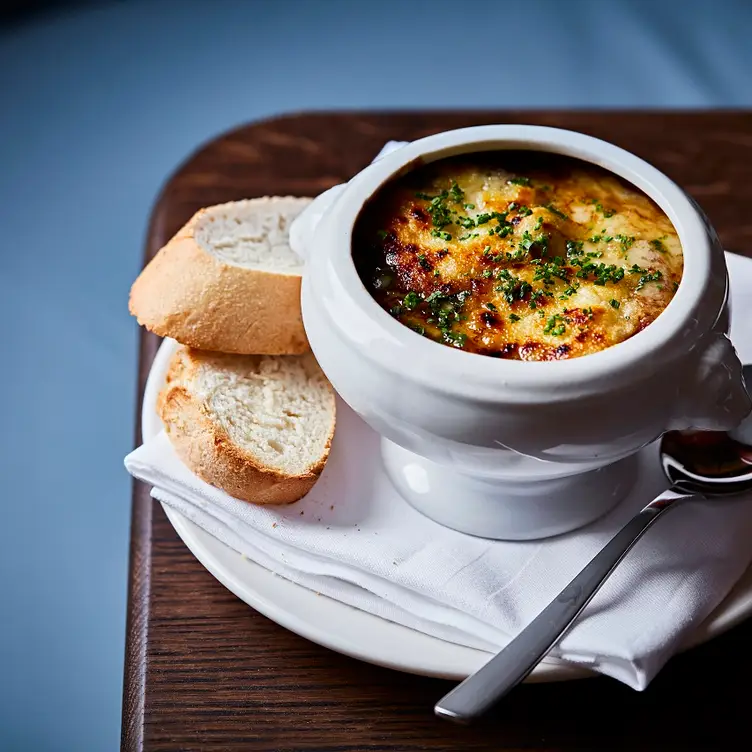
<point>516,449</point>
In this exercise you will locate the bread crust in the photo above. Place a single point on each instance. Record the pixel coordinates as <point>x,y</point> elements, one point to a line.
<point>204,446</point>
<point>189,295</point>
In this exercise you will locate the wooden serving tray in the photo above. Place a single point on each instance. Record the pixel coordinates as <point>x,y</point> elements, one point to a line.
<point>204,671</point>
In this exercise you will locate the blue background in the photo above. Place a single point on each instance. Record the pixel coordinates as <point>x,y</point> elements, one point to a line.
<point>98,104</point>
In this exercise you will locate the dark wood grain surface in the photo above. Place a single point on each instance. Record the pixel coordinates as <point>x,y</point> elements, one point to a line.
<point>206,672</point>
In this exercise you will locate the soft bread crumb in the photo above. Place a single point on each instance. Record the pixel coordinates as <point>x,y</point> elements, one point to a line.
<point>257,426</point>
<point>269,406</point>
<point>252,234</point>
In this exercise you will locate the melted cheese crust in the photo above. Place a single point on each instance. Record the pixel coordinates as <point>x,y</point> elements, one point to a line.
<point>518,255</point>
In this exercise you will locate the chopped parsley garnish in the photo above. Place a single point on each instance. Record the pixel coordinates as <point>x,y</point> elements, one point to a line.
<point>574,248</point>
<point>650,277</point>
<point>441,215</point>
<point>555,211</point>
<point>645,276</point>
<point>550,270</point>
<point>469,206</point>
<point>555,325</point>
<point>615,303</point>
<point>601,273</point>
<point>411,300</point>
<point>424,262</point>
<point>519,181</point>
<point>502,231</point>
<point>523,211</point>
<point>487,274</point>
<point>511,287</point>
<point>514,317</point>
<point>529,243</point>
<point>456,193</point>
<point>418,328</point>
<point>627,241</point>
<point>658,245</point>
<point>441,234</point>
<point>538,223</point>
<point>607,213</point>
<point>490,306</point>
<point>536,299</point>
<point>456,339</point>
<point>438,299</point>
<point>518,255</point>
<point>497,258</point>
<point>446,311</point>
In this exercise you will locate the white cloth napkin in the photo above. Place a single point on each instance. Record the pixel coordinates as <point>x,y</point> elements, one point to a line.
<point>354,539</point>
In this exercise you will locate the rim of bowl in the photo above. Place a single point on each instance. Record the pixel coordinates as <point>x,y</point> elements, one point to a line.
<point>424,358</point>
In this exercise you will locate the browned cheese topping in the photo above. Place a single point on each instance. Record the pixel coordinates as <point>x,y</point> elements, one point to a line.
<point>518,255</point>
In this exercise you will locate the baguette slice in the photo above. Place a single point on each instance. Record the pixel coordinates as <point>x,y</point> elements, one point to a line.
<point>228,281</point>
<point>257,426</point>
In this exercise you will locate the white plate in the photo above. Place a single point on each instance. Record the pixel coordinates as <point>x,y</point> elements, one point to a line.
<point>353,632</point>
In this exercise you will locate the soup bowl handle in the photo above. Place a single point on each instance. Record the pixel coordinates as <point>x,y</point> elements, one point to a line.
<point>715,398</point>
<point>304,225</point>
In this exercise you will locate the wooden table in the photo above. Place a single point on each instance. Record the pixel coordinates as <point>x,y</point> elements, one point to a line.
<point>206,672</point>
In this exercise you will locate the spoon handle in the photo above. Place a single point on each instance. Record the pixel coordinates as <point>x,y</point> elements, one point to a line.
<point>483,689</point>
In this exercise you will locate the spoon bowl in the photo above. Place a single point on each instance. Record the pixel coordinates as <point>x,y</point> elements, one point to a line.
<point>713,463</point>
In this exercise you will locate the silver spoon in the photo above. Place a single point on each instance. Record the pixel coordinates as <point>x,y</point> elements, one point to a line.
<point>698,464</point>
